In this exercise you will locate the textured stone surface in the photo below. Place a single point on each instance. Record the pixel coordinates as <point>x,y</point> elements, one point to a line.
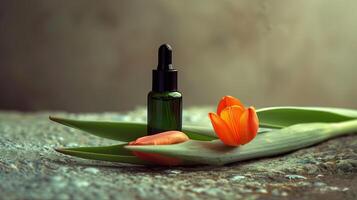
<point>31,169</point>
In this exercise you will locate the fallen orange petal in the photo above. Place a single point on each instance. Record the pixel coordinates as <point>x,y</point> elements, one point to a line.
<point>167,137</point>
<point>228,101</point>
<point>164,138</point>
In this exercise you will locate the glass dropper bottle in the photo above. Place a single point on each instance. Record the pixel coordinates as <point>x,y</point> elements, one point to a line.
<point>164,101</point>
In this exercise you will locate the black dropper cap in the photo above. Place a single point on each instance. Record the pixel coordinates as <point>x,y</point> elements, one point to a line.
<point>164,78</point>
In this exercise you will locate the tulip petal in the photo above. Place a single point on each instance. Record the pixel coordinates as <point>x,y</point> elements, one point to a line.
<point>222,130</point>
<point>228,101</point>
<point>248,125</point>
<point>231,115</point>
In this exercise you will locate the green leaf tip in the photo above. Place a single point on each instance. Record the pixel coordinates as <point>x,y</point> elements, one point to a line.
<point>115,153</point>
<point>60,150</point>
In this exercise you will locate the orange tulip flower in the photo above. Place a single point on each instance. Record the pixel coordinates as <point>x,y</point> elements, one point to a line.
<point>234,124</point>
<point>164,138</point>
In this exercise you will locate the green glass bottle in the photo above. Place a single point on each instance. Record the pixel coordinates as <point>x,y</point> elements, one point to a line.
<point>164,101</point>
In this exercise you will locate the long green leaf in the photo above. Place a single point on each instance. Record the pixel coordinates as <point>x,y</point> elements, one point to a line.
<point>274,117</point>
<point>264,145</point>
<point>114,153</point>
<point>126,131</point>
<point>279,117</point>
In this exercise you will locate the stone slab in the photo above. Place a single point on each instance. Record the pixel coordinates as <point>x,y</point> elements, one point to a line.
<point>31,169</point>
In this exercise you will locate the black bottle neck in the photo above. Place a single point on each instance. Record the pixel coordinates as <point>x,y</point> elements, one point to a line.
<point>164,81</point>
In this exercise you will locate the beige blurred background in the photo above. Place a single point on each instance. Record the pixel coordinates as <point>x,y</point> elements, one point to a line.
<point>93,56</point>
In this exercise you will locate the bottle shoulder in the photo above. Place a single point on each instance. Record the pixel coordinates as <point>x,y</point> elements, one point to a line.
<point>173,94</point>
